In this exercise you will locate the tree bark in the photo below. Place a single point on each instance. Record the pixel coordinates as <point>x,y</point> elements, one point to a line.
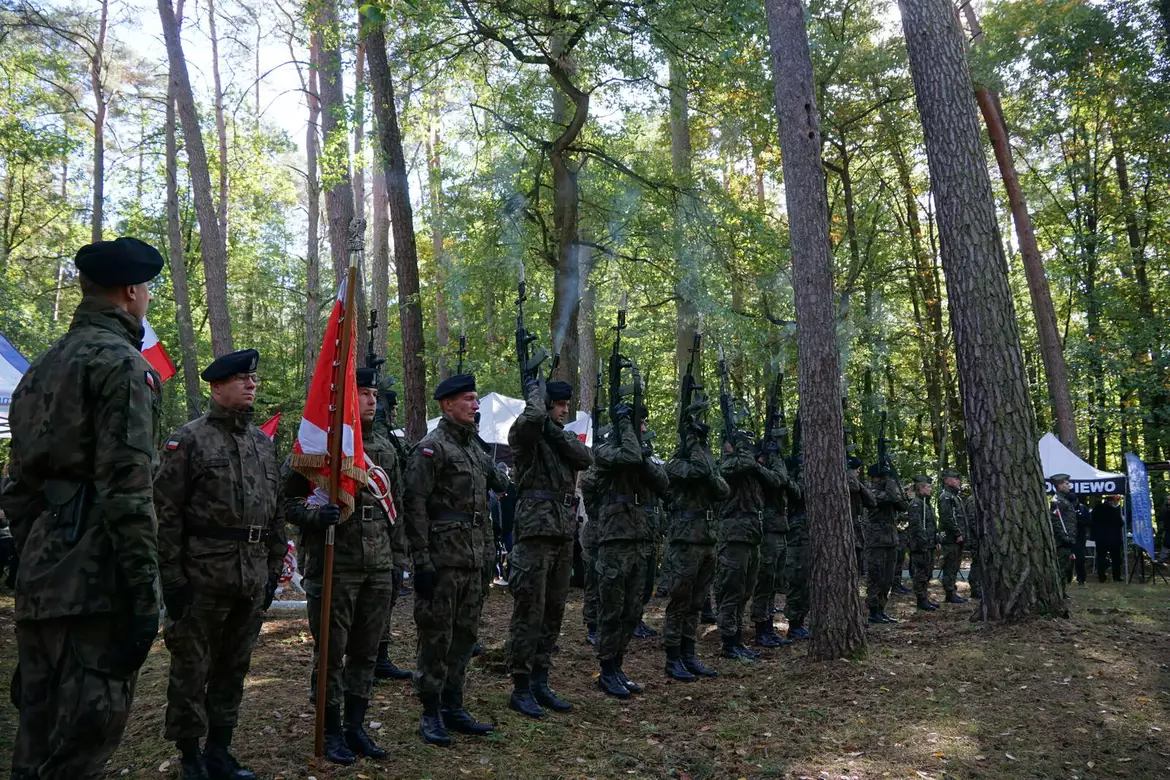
<point>837,630</point>
<point>359,167</point>
<point>587,331</point>
<point>439,257</point>
<point>313,248</point>
<point>686,317</point>
<point>1018,555</point>
<point>339,207</point>
<point>380,254</point>
<point>99,125</point>
<point>211,240</point>
<point>220,124</point>
<point>402,222</point>
<point>175,252</point>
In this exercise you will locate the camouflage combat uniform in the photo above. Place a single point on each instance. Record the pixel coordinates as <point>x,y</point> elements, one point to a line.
<point>547,459</point>
<point>589,545</point>
<point>221,538</point>
<point>80,504</point>
<point>881,541</point>
<point>383,452</point>
<point>861,500</point>
<point>923,536</point>
<point>363,563</point>
<point>739,531</point>
<point>629,484</point>
<point>796,560</point>
<point>952,524</point>
<point>1063,516</point>
<point>772,543</point>
<point>448,529</point>
<point>696,486</point>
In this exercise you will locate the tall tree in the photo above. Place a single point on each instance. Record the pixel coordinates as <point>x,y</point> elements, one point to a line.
<point>393,162</point>
<point>438,255</point>
<point>686,313</point>
<point>1018,555</point>
<point>101,107</point>
<point>334,160</point>
<point>836,606</point>
<point>220,122</point>
<point>211,239</point>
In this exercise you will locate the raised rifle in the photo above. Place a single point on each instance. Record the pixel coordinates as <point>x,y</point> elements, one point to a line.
<point>726,402</point>
<point>883,446</point>
<point>372,359</point>
<point>528,360</point>
<point>774,424</point>
<point>597,406</point>
<point>691,402</point>
<point>462,352</point>
<point>618,362</point>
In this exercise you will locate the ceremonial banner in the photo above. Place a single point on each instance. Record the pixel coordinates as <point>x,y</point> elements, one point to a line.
<point>269,427</point>
<point>1141,516</point>
<point>155,353</point>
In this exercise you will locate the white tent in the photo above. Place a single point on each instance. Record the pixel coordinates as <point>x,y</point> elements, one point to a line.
<point>1086,480</point>
<point>498,412</point>
<point>12,368</point>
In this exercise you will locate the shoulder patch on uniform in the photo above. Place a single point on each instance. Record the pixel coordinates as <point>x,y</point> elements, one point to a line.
<point>428,452</point>
<point>149,380</point>
<point>173,444</point>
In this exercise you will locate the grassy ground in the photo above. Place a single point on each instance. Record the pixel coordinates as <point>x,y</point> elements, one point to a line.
<point>938,697</point>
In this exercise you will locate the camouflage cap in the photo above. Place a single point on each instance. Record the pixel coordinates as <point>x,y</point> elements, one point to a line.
<point>951,474</point>
<point>923,479</point>
<point>1059,478</point>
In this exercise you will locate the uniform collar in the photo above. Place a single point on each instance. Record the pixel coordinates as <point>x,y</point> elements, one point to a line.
<point>462,433</point>
<point>96,311</point>
<point>229,419</point>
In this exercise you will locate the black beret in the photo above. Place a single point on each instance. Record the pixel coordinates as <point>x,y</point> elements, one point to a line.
<point>227,366</point>
<point>854,462</point>
<point>875,469</point>
<point>643,413</point>
<point>453,385</point>
<point>124,261</point>
<point>367,377</point>
<point>559,391</point>
<point>390,398</point>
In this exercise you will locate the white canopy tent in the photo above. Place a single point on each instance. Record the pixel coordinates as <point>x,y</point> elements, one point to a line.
<point>12,368</point>
<point>498,412</point>
<point>1086,480</point>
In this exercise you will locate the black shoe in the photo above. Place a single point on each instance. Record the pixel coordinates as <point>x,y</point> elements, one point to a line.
<point>476,650</point>
<point>660,593</point>
<point>743,649</point>
<point>875,617</point>
<point>955,598</point>
<point>356,738</point>
<point>521,699</point>
<point>926,605</point>
<point>591,638</point>
<point>631,686</point>
<point>644,631</point>
<point>432,730</point>
<point>707,616</point>
<point>545,695</point>
<point>460,720</point>
<point>692,662</point>
<point>799,632</point>
<point>765,635</point>
<point>386,669</point>
<point>191,766</point>
<point>220,763</point>
<point>336,751</point>
<point>900,589</point>
<point>610,683</point>
<point>887,619</point>
<point>729,649</point>
<point>675,668</point>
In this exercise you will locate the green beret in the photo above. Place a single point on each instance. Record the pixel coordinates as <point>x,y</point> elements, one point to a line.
<point>923,479</point>
<point>951,473</point>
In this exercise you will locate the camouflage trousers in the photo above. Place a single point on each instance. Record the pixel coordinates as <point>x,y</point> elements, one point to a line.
<point>72,711</point>
<point>651,573</point>
<point>782,569</point>
<point>541,568</point>
<point>211,650</point>
<point>592,598</point>
<point>357,617</point>
<point>900,565</point>
<point>448,625</point>
<point>736,570</point>
<point>796,571</point>
<point>764,596</point>
<point>692,568</point>
<point>396,576</point>
<point>1064,563</point>
<point>879,573</point>
<point>621,579</point>
<point>921,570</point>
<point>952,556</point>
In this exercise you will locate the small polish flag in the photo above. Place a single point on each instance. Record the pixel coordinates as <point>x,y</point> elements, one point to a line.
<point>155,353</point>
<point>269,427</point>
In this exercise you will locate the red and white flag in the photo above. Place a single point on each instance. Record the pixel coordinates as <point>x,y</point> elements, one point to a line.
<point>310,455</point>
<point>269,427</point>
<point>155,353</point>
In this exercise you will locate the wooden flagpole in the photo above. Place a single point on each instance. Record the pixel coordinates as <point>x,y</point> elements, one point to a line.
<point>337,410</point>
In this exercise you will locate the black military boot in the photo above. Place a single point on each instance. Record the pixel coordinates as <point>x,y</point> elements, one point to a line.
<point>431,726</point>
<point>356,738</point>
<point>675,667</point>
<point>797,631</point>
<point>733,648</point>
<point>609,682</point>
<point>765,635</point>
<point>591,634</point>
<point>220,763</point>
<point>191,766</point>
<point>644,631</point>
<point>875,616</point>
<point>521,699</point>
<point>455,718</point>
<point>631,686</point>
<point>926,605</point>
<point>887,619</point>
<point>385,669</point>
<point>708,614</point>
<point>544,694</point>
<point>336,751</point>
<point>744,652</point>
<point>955,598</point>
<point>691,660</point>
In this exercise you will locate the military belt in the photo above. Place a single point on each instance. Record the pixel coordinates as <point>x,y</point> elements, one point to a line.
<point>253,533</point>
<point>693,514</point>
<point>567,500</point>
<point>745,516</point>
<point>455,516</point>
<point>634,500</point>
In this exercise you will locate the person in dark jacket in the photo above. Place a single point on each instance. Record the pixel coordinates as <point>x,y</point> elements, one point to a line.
<point>1108,531</point>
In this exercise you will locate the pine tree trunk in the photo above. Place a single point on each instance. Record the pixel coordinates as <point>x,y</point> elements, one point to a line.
<point>379,257</point>
<point>835,605</point>
<point>686,317</point>
<point>177,259</point>
<point>439,257</point>
<point>1018,554</point>
<point>220,124</point>
<point>99,126</point>
<point>313,248</point>
<point>335,144</point>
<point>359,170</point>
<point>211,240</point>
<point>587,330</point>
<point>402,223</point>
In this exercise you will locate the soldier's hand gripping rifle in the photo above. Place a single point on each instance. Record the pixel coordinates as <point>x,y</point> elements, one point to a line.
<point>618,362</point>
<point>726,402</point>
<point>528,360</point>
<point>775,425</point>
<point>692,403</point>
<point>372,359</point>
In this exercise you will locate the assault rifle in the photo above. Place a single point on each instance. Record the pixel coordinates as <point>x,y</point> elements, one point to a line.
<point>597,407</point>
<point>883,444</point>
<point>692,403</point>
<point>726,402</point>
<point>462,351</point>
<point>618,362</point>
<point>528,360</point>
<point>372,359</point>
<point>774,424</point>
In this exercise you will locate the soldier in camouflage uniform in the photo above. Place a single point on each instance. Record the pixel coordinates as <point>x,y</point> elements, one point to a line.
<point>897,586</point>
<point>738,533</point>
<point>446,509</point>
<point>772,544</point>
<point>221,547</point>
<point>923,533</point>
<point>1063,516</point>
<point>881,541</point>
<point>589,544</point>
<point>80,504</point>
<point>796,561</point>
<point>696,487</point>
<point>548,459</point>
<point>952,525</point>
<point>363,561</point>
<point>629,481</point>
<point>860,502</point>
<point>385,449</point>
